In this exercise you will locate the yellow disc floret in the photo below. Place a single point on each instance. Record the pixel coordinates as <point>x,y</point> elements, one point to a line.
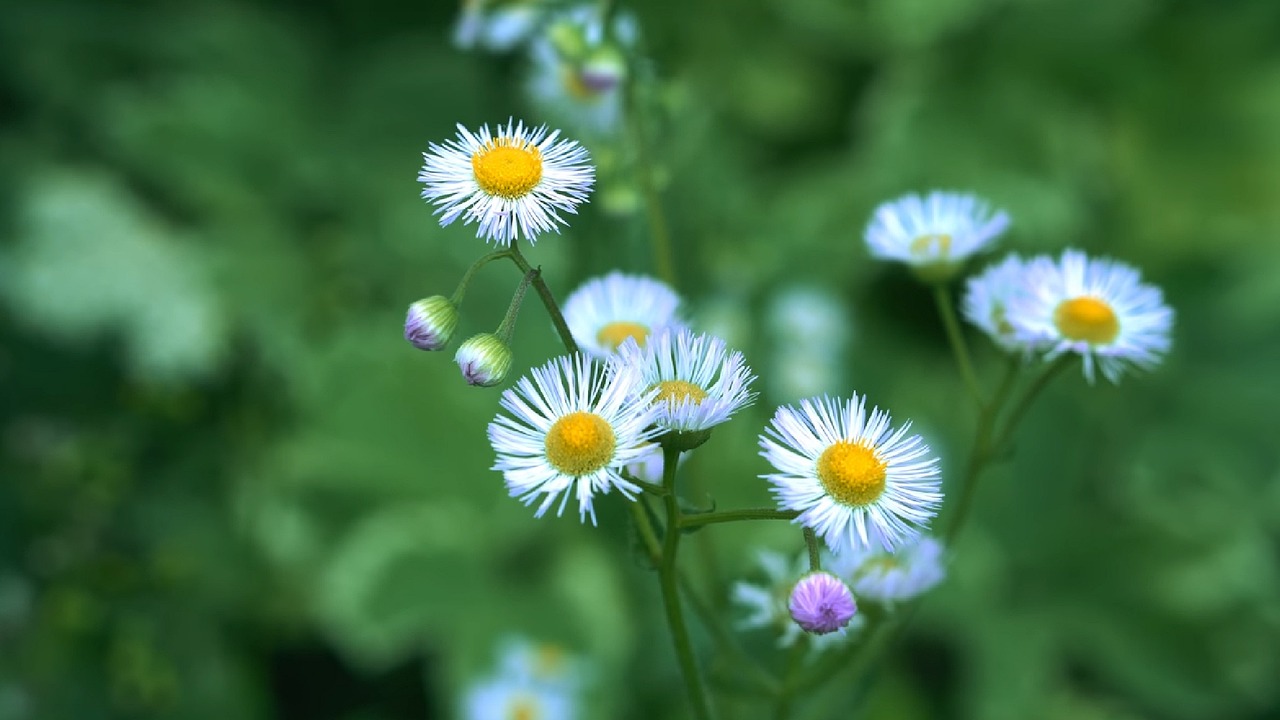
<point>523,709</point>
<point>676,391</point>
<point>1088,319</point>
<point>616,333</point>
<point>507,167</point>
<point>852,473</point>
<point>930,245</point>
<point>580,443</point>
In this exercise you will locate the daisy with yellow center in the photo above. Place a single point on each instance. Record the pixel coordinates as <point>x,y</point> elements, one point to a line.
<point>855,481</point>
<point>989,296</point>
<point>605,312</point>
<point>571,429</point>
<point>912,570</point>
<point>699,383</point>
<point>1095,307</point>
<point>934,233</point>
<point>512,182</point>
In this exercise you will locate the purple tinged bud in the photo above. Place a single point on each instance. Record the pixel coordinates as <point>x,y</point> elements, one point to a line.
<point>430,323</point>
<point>820,603</point>
<point>484,359</point>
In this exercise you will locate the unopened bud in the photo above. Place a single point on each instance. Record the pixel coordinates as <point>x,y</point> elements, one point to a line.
<point>821,603</point>
<point>484,359</point>
<point>430,323</point>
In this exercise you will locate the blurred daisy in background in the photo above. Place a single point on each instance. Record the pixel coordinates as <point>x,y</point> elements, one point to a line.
<point>856,481</point>
<point>540,663</point>
<point>809,331</point>
<point>910,571</point>
<point>572,427</point>
<point>933,234</point>
<point>700,382</point>
<point>578,70</point>
<point>513,181</point>
<point>496,25</point>
<point>605,311</point>
<point>989,295</point>
<point>534,681</point>
<point>1097,308</point>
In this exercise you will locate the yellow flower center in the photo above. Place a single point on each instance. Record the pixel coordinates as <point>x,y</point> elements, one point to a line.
<point>676,391</point>
<point>1088,319</point>
<point>580,443</point>
<point>616,333</point>
<point>523,709</point>
<point>929,245</point>
<point>851,473</point>
<point>507,167</point>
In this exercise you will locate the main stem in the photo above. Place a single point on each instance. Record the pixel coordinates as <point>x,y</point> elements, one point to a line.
<point>548,300</point>
<point>669,576</point>
<point>942,296</point>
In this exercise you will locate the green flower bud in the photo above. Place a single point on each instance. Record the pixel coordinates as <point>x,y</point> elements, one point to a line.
<point>484,359</point>
<point>430,323</point>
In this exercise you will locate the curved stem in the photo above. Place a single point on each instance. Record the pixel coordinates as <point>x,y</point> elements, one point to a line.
<point>480,262</point>
<point>548,300</point>
<point>946,309</point>
<point>980,452</point>
<point>723,516</point>
<point>1024,402</point>
<point>668,574</point>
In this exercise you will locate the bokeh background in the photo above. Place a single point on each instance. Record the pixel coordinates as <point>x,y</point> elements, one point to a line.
<point>229,489</point>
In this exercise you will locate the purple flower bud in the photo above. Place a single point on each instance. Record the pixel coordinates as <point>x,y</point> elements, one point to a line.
<point>820,603</point>
<point>430,323</point>
<point>484,359</point>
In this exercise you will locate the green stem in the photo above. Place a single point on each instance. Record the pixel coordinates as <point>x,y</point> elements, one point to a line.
<point>980,452</point>
<point>508,324</point>
<point>471,271</point>
<point>640,513</point>
<point>811,542</point>
<point>668,574</point>
<point>548,300</point>
<point>1024,403</point>
<point>723,516</point>
<point>658,232</point>
<point>946,309</point>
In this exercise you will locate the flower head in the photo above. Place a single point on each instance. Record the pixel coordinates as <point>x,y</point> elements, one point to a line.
<point>699,382</point>
<point>484,359</point>
<point>603,312</point>
<point>933,234</point>
<point>990,297</point>
<point>512,181</point>
<point>430,323</point>
<point>572,428</point>
<point>820,603</point>
<point>1095,307</point>
<point>915,568</point>
<point>856,481</point>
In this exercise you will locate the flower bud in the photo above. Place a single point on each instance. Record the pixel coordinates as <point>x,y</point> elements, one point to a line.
<point>820,603</point>
<point>484,359</point>
<point>430,323</point>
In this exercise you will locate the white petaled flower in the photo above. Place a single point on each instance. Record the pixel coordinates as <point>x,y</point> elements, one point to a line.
<point>855,480</point>
<point>935,233</point>
<point>912,570</point>
<point>768,604</point>
<point>991,295</point>
<point>497,27</point>
<point>699,381</point>
<point>1095,307</point>
<point>572,427</point>
<point>514,698</point>
<point>603,312</point>
<point>513,182</point>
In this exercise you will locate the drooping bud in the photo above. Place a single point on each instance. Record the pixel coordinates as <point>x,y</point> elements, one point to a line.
<point>430,323</point>
<point>820,603</point>
<point>484,359</point>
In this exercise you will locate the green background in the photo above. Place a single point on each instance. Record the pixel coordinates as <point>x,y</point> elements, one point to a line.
<point>229,489</point>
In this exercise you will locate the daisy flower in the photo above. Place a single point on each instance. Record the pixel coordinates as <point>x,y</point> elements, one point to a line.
<point>700,383</point>
<point>1097,308</point>
<point>989,295</point>
<point>605,311</point>
<point>572,428</point>
<point>933,234</point>
<point>514,698</point>
<point>914,569</point>
<point>855,481</point>
<point>512,181</point>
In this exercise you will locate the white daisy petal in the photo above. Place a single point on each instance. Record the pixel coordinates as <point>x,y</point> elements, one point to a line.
<point>511,183</point>
<point>854,481</point>
<point>571,428</point>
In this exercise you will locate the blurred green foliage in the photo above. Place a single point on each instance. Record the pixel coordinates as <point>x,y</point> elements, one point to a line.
<point>219,456</point>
